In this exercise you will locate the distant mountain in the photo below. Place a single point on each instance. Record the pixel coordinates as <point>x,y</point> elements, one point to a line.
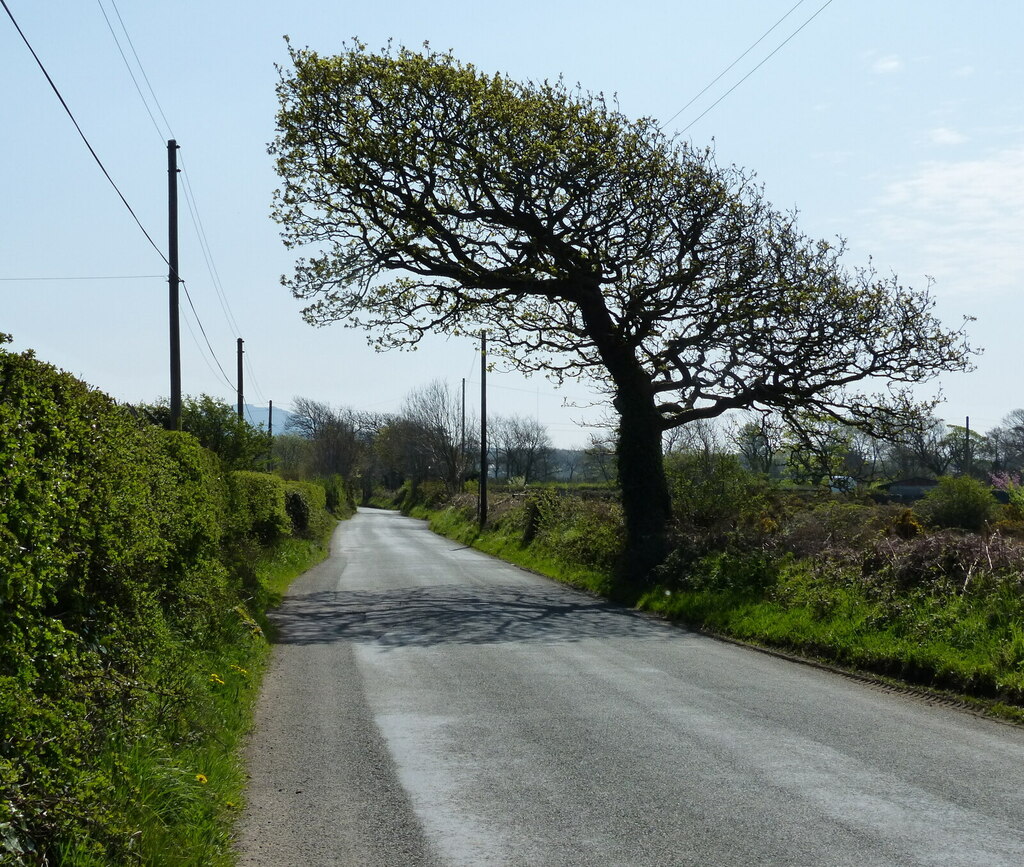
<point>259,416</point>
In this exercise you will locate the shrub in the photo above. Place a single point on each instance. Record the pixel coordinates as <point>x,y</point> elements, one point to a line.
<point>946,562</point>
<point>834,528</point>
<point>340,500</point>
<point>258,506</point>
<point>736,571</point>
<point>306,505</point>
<point>580,531</point>
<point>713,490</point>
<point>957,502</point>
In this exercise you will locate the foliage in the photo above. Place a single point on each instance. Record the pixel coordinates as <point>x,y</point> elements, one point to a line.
<point>712,490</point>
<point>217,426</point>
<point>339,498</point>
<point>258,507</point>
<point>733,571</point>
<point>958,501</point>
<point>441,199</point>
<point>124,594</point>
<point>306,505</point>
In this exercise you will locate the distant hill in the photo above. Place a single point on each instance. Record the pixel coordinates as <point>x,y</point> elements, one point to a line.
<point>260,417</point>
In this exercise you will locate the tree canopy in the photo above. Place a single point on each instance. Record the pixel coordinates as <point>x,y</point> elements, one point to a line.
<point>438,198</point>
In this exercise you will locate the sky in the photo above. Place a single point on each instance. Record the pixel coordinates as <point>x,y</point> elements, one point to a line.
<point>895,124</point>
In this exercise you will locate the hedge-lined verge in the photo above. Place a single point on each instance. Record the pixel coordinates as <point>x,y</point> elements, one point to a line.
<point>129,609</point>
<point>866,587</point>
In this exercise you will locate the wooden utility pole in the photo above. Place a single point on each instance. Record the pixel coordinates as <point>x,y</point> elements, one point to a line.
<point>967,446</point>
<point>270,436</point>
<point>241,413</point>
<point>462,440</point>
<point>483,429</point>
<point>173,281</point>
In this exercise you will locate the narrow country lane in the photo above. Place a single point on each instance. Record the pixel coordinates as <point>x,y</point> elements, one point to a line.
<point>428,705</point>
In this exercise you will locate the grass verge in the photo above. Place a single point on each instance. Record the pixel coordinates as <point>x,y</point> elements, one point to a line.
<point>964,644</point>
<point>506,542</point>
<point>180,785</point>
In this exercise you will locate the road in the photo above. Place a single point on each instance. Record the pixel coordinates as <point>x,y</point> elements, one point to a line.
<point>428,705</point>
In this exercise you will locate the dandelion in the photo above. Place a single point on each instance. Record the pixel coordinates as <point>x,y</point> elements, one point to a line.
<point>216,678</point>
<point>201,779</point>
<point>239,669</point>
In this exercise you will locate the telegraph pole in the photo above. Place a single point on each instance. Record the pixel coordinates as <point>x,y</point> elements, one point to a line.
<point>967,446</point>
<point>270,436</point>
<point>173,281</point>
<point>483,429</point>
<point>241,414</point>
<point>462,441</point>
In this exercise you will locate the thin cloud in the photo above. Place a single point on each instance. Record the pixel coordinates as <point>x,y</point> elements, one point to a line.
<point>887,65</point>
<point>943,135</point>
<point>961,221</point>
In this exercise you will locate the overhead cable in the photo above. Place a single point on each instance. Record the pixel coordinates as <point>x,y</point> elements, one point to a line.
<point>759,65</point>
<point>92,151</point>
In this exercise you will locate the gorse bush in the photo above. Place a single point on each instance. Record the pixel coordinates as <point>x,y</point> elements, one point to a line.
<point>584,531</point>
<point>958,501</point>
<point>713,491</point>
<point>118,580</point>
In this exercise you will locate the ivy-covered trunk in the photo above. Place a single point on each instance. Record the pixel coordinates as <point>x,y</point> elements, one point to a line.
<point>646,503</point>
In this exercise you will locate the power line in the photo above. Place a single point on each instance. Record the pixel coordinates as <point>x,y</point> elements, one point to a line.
<point>190,199</point>
<point>759,65</point>
<point>142,69</point>
<point>95,156</point>
<point>204,245</point>
<point>113,277</point>
<point>128,66</point>
<point>731,65</point>
<point>199,322</point>
<point>252,378</point>
<point>199,347</point>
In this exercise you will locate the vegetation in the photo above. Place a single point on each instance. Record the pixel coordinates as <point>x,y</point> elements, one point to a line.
<point>133,569</point>
<point>900,592</point>
<point>217,426</point>
<point>587,244</point>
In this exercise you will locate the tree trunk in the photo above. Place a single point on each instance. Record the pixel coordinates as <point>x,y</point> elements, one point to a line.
<point>646,503</point>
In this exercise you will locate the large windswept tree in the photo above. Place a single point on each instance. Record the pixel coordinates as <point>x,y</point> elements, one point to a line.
<point>440,199</point>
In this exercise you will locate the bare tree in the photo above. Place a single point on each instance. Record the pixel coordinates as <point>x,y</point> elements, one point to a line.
<point>1007,442</point>
<point>336,446</point>
<point>522,444</point>
<point>757,438</point>
<point>433,416</point>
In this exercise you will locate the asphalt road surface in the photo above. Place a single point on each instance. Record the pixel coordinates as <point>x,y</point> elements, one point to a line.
<point>428,705</point>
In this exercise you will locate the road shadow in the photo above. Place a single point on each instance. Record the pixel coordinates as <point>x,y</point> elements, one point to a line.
<point>450,614</point>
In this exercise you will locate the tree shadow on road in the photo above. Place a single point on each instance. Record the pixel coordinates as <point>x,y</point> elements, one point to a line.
<point>450,614</point>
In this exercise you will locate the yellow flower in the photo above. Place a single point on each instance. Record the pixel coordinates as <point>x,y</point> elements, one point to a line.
<point>215,678</point>
<point>201,779</point>
<point>238,669</point>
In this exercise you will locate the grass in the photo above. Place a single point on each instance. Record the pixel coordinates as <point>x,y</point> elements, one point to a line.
<point>969,644</point>
<point>179,788</point>
<point>506,542</point>
<point>941,636</point>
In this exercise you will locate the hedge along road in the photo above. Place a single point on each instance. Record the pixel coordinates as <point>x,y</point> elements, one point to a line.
<point>429,705</point>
